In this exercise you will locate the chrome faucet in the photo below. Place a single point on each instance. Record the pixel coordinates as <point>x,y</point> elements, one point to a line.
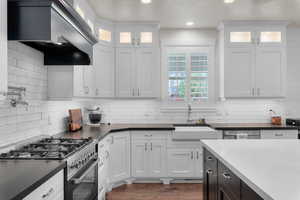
<point>189,113</point>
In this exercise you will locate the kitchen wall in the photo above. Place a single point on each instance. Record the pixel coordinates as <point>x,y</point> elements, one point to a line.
<point>226,111</point>
<point>26,69</point>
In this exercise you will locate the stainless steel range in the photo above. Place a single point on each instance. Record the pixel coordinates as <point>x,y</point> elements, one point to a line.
<point>80,155</point>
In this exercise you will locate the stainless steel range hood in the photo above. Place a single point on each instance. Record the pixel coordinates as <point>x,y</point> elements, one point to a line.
<point>53,27</point>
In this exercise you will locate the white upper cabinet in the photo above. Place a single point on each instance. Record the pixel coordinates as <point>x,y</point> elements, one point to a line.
<point>253,57</point>
<point>125,72</point>
<point>3,48</point>
<point>136,35</point>
<point>104,71</point>
<point>137,61</point>
<point>137,72</point>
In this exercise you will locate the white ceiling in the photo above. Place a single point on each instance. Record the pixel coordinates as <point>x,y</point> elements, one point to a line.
<point>205,13</point>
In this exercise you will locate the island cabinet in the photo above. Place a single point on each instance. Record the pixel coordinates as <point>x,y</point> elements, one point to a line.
<point>220,183</point>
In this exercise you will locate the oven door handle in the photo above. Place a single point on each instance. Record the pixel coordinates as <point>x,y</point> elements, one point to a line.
<point>79,180</point>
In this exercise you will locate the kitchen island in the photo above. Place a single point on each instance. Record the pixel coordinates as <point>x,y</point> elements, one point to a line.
<point>251,169</point>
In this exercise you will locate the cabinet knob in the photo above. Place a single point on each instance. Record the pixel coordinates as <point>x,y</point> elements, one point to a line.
<point>226,176</point>
<point>209,158</point>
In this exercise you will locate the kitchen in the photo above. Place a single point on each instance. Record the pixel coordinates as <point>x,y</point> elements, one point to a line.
<point>161,93</point>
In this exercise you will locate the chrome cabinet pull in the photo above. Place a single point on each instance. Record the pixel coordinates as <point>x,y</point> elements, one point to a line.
<point>278,134</point>
<point>133,94</point>
<point>209,158</point>
<point>197,155</point>
<point>209,171</point>
<point>192,155</point>
<point>226,176</point>
<point>151,146</point>
<point>48,193</point>
<point>133,41</point>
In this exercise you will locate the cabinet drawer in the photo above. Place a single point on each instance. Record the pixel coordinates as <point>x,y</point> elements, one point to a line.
<point>210,160</point>
<point>279,134</point>
<point>53,189</point>
<point>229,182</point>
<point>150,135</point>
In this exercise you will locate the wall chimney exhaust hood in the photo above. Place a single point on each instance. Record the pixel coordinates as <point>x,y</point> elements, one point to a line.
<point>52,27</point>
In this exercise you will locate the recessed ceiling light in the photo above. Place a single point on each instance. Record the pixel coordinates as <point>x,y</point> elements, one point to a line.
<point>229,1</point>
<point>146,1</point>
<point>190,23</point>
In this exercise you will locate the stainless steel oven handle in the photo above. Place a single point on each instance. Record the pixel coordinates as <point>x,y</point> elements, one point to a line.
<point>79,180</point>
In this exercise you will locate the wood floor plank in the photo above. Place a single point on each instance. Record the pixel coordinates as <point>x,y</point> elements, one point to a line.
<point>157,192</point>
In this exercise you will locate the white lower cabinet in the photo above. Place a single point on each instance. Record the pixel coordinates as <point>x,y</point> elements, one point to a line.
<point>185,163</point>
<point>53,189</point>
<point>279,134</point>
<point>119,166</point>
<point>148,156</point>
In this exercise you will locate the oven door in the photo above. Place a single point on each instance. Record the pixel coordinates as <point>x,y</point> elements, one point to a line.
<point>84,185</point>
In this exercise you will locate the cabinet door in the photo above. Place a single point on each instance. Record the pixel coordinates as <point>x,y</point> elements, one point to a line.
<point>147,68</point>
<point>104,71</point>
<point>120,157</point>
<point>198,163</point>
<point>181,163</point>
<point>89,81</point>
<point>140,158</point>
<point>239,65</point>
<point>240,36</point>
<point>125,35</point>
<point>3,48</point>
<point>270,71</point>
<point>78,86</point>
<point>157,159</point>
<point>125,76</point>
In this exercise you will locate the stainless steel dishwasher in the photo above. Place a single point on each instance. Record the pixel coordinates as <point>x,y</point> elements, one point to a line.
<point>241,134</point>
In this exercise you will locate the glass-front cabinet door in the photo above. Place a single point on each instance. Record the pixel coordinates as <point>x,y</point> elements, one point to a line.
<point>240,36</point>
<point>271,36</point>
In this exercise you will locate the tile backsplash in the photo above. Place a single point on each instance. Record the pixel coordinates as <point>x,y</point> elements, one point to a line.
<point>26,68</point>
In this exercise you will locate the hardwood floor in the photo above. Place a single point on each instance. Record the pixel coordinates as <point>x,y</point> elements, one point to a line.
<point>157,192</point>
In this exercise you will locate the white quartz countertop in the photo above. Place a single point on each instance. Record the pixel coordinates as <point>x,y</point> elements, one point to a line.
<point>270,167</point>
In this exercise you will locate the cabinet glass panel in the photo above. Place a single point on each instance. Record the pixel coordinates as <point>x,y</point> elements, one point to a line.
<point>125,37</point>
<point>177,76</point>
<point>240,37</point>
<point>199,76</point>
<point>104,35</point>
<point>270,37</point>
<point>146,37</point>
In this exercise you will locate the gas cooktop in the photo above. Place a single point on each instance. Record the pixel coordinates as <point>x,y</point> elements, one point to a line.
<point>48,149</point>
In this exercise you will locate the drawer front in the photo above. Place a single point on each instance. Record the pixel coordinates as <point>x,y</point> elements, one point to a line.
<point>150,135</point>
<point>279,134</point>
<point>229,182</point>
<point>53,189</point>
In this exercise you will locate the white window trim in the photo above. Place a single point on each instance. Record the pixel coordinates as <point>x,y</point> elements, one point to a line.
<point>168,105</point>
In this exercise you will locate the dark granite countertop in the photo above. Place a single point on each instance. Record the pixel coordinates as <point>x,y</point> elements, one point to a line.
<point>20,177</point>
<point>250,126</point>
<point>99,132</point>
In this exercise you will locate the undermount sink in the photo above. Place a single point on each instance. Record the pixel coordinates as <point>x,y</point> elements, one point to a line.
<point>194,133</point>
